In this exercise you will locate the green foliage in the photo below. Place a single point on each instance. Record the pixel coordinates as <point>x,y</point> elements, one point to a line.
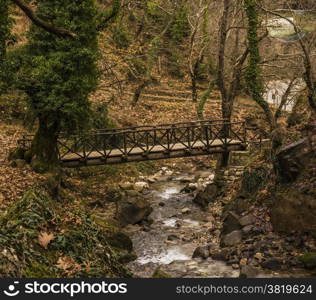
<point>138,69</point>
<point>175,68</point>
<point>80,240</point>
<point>13,106</point>
<point>253,73</point>
<point>5,36</point>
<point>99,117</point>
<point>108,16</point>
<point>180,27</point>
<point>121,36</point>
<point>152,7</point>
<point>254,179</point>
<point>59,73</point>
<point>309,260</point>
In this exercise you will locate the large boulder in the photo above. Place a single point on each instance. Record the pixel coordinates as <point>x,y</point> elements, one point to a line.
<point>230,223</point>
<point>248,272</point>
<point>133,210</point>
<point>294,205</point>
<point>291,160</point>
<point>206,196</point>
<point>201,251</point>
<point>232,239</point>
<point>294,211</point>
<point>120,240</point>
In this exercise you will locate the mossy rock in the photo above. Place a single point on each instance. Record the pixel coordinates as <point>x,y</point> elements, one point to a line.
<point>28,156</point>
<point>309,260</point>
<point>160,274</point>
<point>126,257</point>
<point>120,240</point>
<point>17,153</point>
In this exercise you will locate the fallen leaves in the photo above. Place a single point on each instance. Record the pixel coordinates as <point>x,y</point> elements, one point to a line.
<point>45,238</point>
<point>68,265</point>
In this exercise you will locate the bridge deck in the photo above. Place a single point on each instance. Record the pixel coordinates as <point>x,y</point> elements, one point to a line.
<point>156,152</point>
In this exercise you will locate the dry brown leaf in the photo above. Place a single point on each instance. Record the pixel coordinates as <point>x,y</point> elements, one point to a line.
<point>45,238</point>
<point>68,265</point>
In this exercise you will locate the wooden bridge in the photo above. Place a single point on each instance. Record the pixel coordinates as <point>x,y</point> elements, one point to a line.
<point>115,146</point>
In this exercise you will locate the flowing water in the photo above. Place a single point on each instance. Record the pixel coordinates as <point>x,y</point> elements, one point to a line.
<point>176,232</point>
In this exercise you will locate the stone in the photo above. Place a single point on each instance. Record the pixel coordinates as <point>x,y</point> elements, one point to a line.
<point>140,186</point>
<point>113,194</point>
<point>160,274</point>
<point>186,179</point>
<point>258,256</point>
<point>247,229</point>
<point>133,210</point>
<point>120,240</point>
<point>247,220</point>
<point>201,251</point>
<point>291,159</point>
<point>208,225</point>
<point>233,261</point>
<point>1,197</point>
<point>18,163</point>
<point>248,272</point>
<point>243,261</point>
<point>219,254</point>
<point>209,219</point>
<point>191,187</point>
<point>126,185</point>
<point>309,260</point>
<point>172,237</point>
<point>132,228</point>
<point>185,210</point>
<point>125,257</point>
<point>272,264</point>
<point>231,223</point>
<point>132,193</point>
<point>232,239</point>
<point>152,179</point>
<point>206,196</point>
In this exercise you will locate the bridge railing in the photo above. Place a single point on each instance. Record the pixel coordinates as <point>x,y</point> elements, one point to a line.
<point>143,140</point>
<point>146,140</point>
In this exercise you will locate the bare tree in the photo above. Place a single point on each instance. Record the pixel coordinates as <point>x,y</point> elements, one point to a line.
<point>198,43</point>
<point>306,45</point>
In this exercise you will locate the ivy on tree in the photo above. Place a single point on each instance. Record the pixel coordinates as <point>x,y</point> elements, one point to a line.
<point>59,74</point>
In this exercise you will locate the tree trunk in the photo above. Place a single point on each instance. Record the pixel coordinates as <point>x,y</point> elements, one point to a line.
<point>226,111</point>
<point>4,19</point>
<point>139,91</point>
<point>194,88</point>
<point>44,147</point>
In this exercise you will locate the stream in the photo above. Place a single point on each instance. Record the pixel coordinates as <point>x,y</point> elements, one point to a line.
<point>179,227</point>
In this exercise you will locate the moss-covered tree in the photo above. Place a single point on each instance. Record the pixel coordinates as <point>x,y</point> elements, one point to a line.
<point>59,74</point>
<point>253,72</point>
<point>5,34</point>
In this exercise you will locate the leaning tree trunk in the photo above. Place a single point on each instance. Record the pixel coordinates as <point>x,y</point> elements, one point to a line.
<point>44,147</point>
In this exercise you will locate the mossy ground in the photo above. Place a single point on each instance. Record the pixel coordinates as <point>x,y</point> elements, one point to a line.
<point>79,247</point>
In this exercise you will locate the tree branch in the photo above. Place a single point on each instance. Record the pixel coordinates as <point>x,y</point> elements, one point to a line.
<point>109,15</point>
<point>61,32</point>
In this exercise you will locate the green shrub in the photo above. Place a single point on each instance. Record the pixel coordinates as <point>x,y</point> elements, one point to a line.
<point>121,36</point>
<point>254,179</point>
